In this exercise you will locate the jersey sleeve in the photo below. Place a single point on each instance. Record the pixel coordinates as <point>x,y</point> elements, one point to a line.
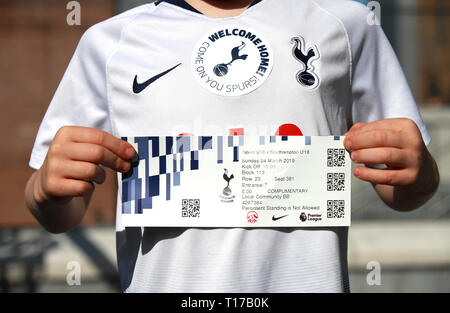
<point>80,99</point>
<point>379,86</point>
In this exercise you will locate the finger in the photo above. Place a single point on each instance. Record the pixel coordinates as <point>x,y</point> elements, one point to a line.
<point>97,154</point>
<point>373,138</point>
<point>83,170</point>
<point>390,123</point>
<point>353,129</point>
<point>356,127</point>
<point>95,136</point>
<point>383,177</point>
<point>72,188</point>
<point>390,156</point>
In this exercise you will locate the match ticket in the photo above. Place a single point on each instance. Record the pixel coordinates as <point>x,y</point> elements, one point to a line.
<point>237,181</point>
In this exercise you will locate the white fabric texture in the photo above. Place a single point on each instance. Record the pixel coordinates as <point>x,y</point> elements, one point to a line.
<point>360,81</point>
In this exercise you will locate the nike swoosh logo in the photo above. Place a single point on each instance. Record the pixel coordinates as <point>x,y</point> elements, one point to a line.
<point>139,87</point>
<point>277,218</point>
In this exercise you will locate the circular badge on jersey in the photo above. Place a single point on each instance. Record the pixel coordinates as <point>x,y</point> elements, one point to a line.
<point>232,60</point>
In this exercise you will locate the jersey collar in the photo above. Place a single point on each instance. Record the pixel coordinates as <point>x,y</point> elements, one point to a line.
<point>183,4</point>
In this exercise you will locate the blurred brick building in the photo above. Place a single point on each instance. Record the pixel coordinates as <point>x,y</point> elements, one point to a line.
<point>434,46</point>
<point>419,32</point>
<point>36,45</point>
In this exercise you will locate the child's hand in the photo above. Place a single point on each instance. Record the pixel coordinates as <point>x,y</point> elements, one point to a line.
<point>72,163</point>
<point>395,142</point>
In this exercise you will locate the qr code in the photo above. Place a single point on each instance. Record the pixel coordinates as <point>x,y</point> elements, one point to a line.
<point>335,181</point>
<point>190,208</point>
<point>335,208</point>
<point>336,157</point>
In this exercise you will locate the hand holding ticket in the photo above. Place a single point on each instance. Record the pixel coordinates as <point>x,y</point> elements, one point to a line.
<point>237,181</point>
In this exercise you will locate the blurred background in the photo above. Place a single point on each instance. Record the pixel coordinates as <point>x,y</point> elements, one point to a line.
<point>412,249</point>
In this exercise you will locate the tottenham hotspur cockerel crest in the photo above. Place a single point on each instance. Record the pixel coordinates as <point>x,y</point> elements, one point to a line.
<point>306,56</point>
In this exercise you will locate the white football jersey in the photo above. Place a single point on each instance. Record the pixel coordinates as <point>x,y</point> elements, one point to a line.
<point>166,69</point>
